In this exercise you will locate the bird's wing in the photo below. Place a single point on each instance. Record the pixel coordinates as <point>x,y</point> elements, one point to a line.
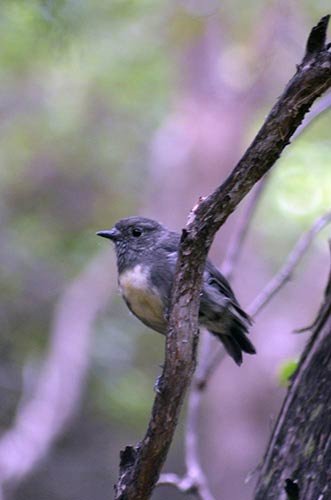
<point>216,279</point>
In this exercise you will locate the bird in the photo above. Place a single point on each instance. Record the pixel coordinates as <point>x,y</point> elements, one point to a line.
<point>146,254</point>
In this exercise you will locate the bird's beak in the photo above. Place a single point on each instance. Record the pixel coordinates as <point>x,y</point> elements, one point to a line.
<point>112,234</point>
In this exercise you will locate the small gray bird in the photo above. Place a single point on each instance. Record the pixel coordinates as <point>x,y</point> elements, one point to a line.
<point>146,259</point>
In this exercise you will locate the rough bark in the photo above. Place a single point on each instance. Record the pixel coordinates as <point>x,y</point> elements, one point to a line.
<point>297,464</point>
<point>141,465</point>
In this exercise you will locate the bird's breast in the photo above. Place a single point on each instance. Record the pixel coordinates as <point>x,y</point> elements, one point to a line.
<point>142,298</point>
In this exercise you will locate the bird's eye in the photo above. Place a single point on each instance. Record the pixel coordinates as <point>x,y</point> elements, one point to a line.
<point>136,232</point>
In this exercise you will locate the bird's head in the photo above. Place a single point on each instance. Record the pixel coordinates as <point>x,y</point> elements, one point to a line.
<point>132,237</point>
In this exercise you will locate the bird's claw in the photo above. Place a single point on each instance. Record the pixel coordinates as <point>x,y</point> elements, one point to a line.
<point>158,385</point>
<point>158,382</point>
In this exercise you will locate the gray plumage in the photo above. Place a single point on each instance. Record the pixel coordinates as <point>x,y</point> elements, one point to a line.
<point>146,259</point>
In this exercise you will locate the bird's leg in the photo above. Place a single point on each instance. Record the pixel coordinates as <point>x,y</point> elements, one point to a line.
<point>158,382</point>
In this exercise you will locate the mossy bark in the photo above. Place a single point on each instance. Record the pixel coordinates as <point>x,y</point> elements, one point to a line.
<point>297,464</point>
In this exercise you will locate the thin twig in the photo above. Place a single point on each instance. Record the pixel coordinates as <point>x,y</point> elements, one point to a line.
<point>192,455</point>
<point>287,269</point>
<point>236,244</point>
<point>215,352</point>
<point>40,419</point>
<point>194,480</point>
<point>294,428</point>
<point>320,107</point>
<point>210,364</point>
<point>184,484</point>
<point>216,356</point>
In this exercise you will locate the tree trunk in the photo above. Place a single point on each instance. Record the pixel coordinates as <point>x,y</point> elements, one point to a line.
<point>297,464</point>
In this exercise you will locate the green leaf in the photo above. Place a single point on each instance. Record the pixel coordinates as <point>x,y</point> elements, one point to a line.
<point>286,370</point>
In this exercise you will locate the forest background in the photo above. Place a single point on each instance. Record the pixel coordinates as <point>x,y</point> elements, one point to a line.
<point>110,109</point>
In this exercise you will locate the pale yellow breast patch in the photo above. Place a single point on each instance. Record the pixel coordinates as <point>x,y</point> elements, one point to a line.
<point>143,300</point>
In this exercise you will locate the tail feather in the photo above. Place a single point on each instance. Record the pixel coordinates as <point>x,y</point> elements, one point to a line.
<point>239,334</point>
<point>232,348</point>
<point>236,341</point>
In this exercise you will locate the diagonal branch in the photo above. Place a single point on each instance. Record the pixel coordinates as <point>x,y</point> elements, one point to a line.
<point>40,419</point>
<point>287,269</point>
<point>298,456</point>
<point>208,365</point>
<point>234,249</point>
<point>140,466</point>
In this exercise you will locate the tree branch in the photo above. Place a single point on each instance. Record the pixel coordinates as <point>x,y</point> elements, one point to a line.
<point>42,417</point>
<point>321,106</point>
<point>298,457</point>
<point>234,249</point>
<point>140,466</point>
<point>210,364</point>
<point>213,359</point>
<point>287,269</point>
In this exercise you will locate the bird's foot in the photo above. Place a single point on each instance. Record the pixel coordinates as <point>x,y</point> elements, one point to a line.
<point>158,383</point>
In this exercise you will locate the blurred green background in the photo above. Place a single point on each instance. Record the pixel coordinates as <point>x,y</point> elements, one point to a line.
<point>112,108</point>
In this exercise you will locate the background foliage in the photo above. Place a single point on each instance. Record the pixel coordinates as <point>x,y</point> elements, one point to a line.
<point>84,89</point>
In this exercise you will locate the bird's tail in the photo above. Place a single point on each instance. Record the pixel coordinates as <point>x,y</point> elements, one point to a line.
<point>236,341</point>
